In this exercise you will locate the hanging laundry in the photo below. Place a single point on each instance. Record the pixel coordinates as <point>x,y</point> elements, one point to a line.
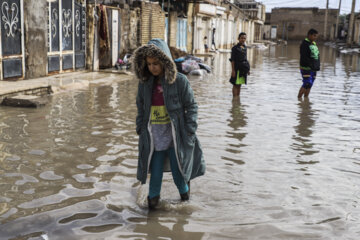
<point>103,28</point>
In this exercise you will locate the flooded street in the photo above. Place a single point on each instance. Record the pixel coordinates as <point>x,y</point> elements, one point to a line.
<point>277,167</point>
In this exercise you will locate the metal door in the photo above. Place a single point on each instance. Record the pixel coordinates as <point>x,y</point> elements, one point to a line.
<point>181,34</point>
<point>54,37</point>
<point>67,19</point>
<point>273,32</point>
<point>12,61</point>
<point>67,34</point>
<point>80,41</point>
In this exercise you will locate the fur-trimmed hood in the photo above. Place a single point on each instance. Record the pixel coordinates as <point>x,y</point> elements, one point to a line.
<point>156,48</point>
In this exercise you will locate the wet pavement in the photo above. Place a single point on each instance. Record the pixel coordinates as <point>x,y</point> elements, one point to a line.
<point>277,167</point>
<point>63,82</point>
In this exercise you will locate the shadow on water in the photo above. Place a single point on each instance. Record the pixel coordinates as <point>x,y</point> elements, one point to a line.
<point>304,129</point>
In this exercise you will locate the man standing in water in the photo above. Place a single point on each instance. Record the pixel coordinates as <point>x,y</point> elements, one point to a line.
<point>213,39</point>
<point>240,66</point>
<point>309,62</point>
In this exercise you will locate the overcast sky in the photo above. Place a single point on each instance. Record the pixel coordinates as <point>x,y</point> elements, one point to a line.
<point>345,4</point>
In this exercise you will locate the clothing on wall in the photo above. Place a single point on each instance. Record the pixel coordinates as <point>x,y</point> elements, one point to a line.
<point>103,28</point>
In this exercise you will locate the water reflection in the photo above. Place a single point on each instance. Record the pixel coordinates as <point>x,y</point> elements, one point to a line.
<point>329,57</point>
<point>156,226</point>
<point>351,63</point>
<point>68,170</point>
<point>237,121</point>
<point>218,63</point>
<point>304,130</point>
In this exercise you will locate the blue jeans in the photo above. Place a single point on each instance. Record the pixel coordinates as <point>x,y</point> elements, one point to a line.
<point>157,168</point>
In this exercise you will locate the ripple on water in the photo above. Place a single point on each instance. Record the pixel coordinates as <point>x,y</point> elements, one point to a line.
<point>37,152</point>
<point>299,181</point>
<point>13,158</point>
<point>91,149</point>
<point>96,133</point>
<point>25,178</point>
<point>29,191</point>
<point>83,179</point>
<point>50,175</point>
<point>84,166</point>
<point>105,158</point>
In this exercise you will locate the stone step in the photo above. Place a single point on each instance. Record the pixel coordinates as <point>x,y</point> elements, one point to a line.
<point>29,101</point>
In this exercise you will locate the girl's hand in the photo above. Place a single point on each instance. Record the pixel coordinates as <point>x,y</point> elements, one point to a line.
<point>249,73</point>
<point>233,74</point>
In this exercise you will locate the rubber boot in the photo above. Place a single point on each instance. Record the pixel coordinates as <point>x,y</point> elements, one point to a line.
<point>186,196</point>
<point>153,202</point>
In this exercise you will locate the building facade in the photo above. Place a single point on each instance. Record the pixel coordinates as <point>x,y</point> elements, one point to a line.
<point>356,35</point>
<point>256,12</point>
<point>294,23</point>
<point>41,37</point>
<point>44,37</point>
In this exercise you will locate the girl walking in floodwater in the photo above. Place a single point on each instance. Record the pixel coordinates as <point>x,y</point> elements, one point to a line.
<point>166,122</point>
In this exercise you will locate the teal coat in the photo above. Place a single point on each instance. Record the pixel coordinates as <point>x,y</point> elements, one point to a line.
<point>181,106</point>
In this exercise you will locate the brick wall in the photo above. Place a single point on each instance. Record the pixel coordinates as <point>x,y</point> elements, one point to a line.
<point>152,22</point>
<point>172,29</point>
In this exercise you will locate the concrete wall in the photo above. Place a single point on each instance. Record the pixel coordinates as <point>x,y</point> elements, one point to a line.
<point>294,23</point>
<point>203,28</point>
<point>190,27</point>
<point>35,24</point>
<point>356,36</point>
<point>267,31</point>
<point>130,21</point>
<point>90,28</point>
<point>248,29</point>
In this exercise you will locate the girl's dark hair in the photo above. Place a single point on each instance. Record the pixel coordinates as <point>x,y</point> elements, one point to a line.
<point>312,31</point>
<point>242,34</point>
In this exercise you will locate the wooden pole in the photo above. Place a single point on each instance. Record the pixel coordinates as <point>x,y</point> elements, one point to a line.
<point>326,20</point>
<point>337,22</point>
<point>351,24</point>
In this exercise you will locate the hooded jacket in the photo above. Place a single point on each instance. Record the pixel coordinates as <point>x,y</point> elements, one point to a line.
<point>180,105</point>
<point>309,56</point>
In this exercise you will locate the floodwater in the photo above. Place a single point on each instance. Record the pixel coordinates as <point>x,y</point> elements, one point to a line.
<point>277,167</point>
